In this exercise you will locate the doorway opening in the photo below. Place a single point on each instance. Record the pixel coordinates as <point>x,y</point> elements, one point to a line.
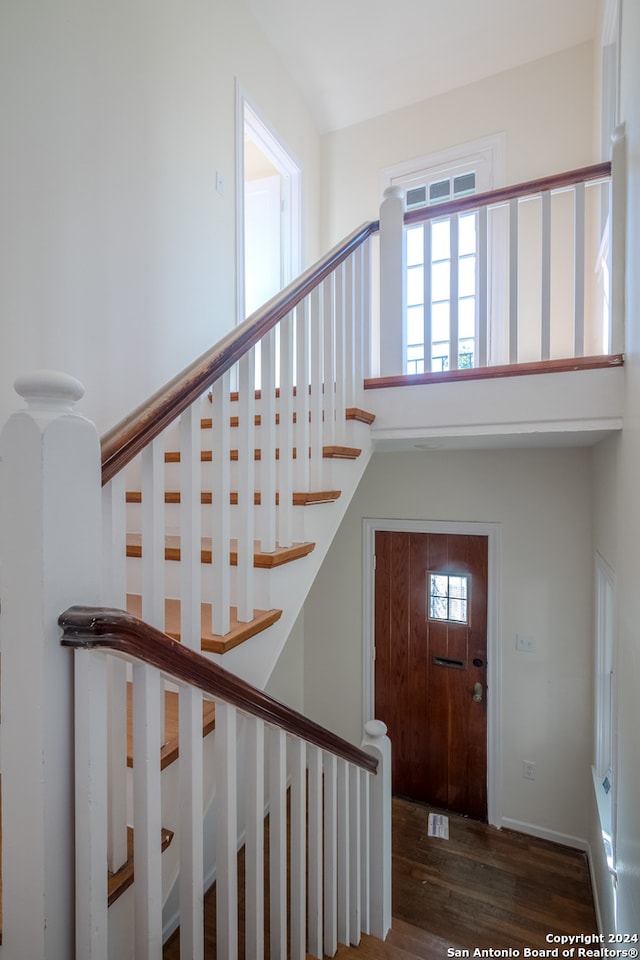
<point>268,211</point>
<point>449,673</point>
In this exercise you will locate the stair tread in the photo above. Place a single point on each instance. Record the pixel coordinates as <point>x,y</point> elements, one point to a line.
<point>211,642</point>
<point>169,750</point>
<point>261,558</point>
<point>332,451</point>
<point>351,413</point>
<point>300,498</point>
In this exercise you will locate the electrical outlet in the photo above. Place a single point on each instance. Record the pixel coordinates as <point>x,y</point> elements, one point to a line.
<point>528,770</point>
<point>525,642</point>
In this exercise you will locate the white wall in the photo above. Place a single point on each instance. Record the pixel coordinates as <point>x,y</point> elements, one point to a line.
<point>545,108</point>
<point>542,500</point>
<point>117,256</point>
<point>617,525</point>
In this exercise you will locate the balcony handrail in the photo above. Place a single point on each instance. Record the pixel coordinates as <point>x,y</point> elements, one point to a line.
<point>127,636</point>
<point>124,441</point>
<point>558,181</point>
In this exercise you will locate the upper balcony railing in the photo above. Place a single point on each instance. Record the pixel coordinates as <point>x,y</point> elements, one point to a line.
<point>515,276</point>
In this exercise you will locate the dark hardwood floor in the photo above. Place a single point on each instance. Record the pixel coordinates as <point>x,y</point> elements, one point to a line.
<point>481,888</point>
<point>485,887</point>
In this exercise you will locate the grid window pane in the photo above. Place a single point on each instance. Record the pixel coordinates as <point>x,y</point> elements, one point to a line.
<point>415,285</point>
<point>440,321</point>
<point>440,285</point>
<point>467,318</point>
<point>415,325</point>
<point>467,234</point>
<point>415,245</point>
<point>467,277</point>
<point>440,357</point>
<point>447,597</point>
<point>440,240</point>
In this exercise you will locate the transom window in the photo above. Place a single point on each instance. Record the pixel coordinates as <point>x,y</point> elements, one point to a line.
<point>448,597</point>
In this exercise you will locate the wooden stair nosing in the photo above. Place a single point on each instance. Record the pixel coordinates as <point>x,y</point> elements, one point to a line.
<point>122,879</point>
<point>239,631</point>
<point>328,453</point>
<point>350,413</point>
<point>299,498</point>
<point>261,559</point>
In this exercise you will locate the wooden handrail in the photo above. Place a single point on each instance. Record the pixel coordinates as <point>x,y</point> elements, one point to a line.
<point>121,444</point>
<point>558,181</point>
<point>117,630</point>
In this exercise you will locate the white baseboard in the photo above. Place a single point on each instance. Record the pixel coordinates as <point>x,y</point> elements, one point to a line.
<point>578,843</point>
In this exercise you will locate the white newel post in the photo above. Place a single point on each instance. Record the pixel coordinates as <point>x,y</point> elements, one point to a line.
<point>392,282</point>
<point>50,559</point>
<point>377,743</point>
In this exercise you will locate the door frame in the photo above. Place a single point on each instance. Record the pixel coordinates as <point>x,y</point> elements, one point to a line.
<point>493,533</point>
<point>283,159</point>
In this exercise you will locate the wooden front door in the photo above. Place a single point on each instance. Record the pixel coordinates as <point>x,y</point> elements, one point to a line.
<point>431,665</point>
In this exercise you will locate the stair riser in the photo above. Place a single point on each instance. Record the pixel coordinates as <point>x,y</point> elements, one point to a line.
<point>172,513</point>
<point>173,586</point>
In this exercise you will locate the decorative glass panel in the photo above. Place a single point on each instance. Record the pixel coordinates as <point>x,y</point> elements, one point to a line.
<point>448,597</point>
<point>439,191</point>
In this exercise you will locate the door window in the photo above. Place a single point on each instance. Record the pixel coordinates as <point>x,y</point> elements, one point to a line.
<point>448,597</point>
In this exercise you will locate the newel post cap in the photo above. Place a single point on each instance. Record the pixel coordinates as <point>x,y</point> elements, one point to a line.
<point>394,192</point>
<point>49,389</point>
<point>375,728</point>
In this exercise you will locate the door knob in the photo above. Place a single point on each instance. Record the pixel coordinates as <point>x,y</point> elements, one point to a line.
<point>477,692</point>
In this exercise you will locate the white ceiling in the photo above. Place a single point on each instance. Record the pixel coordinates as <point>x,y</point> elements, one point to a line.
<point>355,59</point>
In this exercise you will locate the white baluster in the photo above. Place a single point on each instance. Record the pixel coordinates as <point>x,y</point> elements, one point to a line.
<point>147,812</point>
<point>618,237</point>
<point>349,342</point>
<point>376,743</point>
<point>355,855</point>
<point>117,763</point>
<point>285,433</point>
<point>367,311</point>
<point>314,871</point>
<point>278,842</point>
<point>359,322</point>
<point>114,585</point>
<point>545,320</point>
<point>246,485</point>
<point>365,868</point>
<point>579,271</point>
<point>330,856</point>
<point>254,839</point>
<point>90,712</point>
<point>298,827</point>
<point>190,699</point>
<point>344,857</point>
<point>340,363</point>
<point>315,400</point>
<point>301,468</point>
<point>329,373</point>
<point>220,511</point>
<point>513,281</point>
<point>226,833</point>
<point>268,444</point>
<point>152,465</point>
<point>483,284</point>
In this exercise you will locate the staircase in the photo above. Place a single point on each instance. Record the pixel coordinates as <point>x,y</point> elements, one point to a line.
<point>192,559</point>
